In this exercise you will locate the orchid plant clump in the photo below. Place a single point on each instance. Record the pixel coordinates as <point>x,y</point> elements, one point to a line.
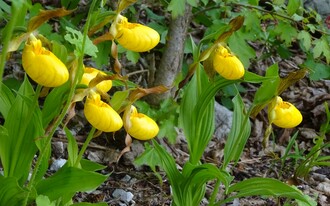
<point>63,80</point>
<point>61,76</point>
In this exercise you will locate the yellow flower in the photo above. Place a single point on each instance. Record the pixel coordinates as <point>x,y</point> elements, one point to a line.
<point>100,115</point>
<point>227,64</point>
<point>139,125</point>
<point>90,73</point>
<point>42,65</point>
<point>133,36</point>
<point>283,114</point>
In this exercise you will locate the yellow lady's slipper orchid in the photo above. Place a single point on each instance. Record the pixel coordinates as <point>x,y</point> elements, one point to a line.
<point>139,125</point>
<point>42,65</point>
<point>227,64</point>
<point>283,114</point>
<point>101,115</point>
<point>133,36</point>
<point>90,73</point>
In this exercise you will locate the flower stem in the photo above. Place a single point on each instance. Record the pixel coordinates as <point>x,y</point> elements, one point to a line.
<point>84,147</point>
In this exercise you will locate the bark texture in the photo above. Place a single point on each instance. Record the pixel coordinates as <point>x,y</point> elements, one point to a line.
<point>171,61</point>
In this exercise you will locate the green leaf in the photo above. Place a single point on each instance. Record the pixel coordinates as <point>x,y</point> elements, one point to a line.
<point>60,51</point>
<point>76,38</point>
<point>149,157</point>
<point>118,99</point>
<point>286,32</point>
<point>6,100</point>
<point>91,166</point>
<point>268,89</point>
<point>24,125</point>
<point>177,7</point>
<point>44,201</point>
<point>317,70</point>
<point>305,39</point>
<point>167,162</point>
<point>252,21</point>
<point>167,129</point>
<point>239,133</point>
<point>72,148</point>
<point>133,56</point>
<point>264,186</point>
<point>102,57</point>
<point>321,47</point>
<point>69,180</point>
<point>293,6</point>
<point>237,43</point>
<point>54,103</point>
<point>10,192</point>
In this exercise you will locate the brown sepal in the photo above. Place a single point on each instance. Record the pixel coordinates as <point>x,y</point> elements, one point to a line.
<point>141,92</point>
<point>44,16</point>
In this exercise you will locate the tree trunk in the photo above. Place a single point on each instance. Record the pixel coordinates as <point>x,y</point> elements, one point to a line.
<point>171,61</point>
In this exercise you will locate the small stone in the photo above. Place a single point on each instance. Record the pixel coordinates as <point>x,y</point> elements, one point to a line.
<point>127,178</point>
<point>58,149</point>
<point>123,195</point>
<point>324,187</point>
<point>57,164</point>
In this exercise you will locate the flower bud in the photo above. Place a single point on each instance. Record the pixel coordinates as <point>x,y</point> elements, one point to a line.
<point>133,36</point>
<point>139,125</point>
<point>283,114</point>
<point>227,64</point>
<point>90,73</point>
<point>42,65</point>
<point>100,115</point>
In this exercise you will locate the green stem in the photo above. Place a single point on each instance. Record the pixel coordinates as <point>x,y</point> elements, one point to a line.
<point>84,147</point>
<point>214,193</point>
<point>7,37</point>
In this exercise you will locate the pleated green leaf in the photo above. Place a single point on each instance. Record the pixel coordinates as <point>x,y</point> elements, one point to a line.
<point>10,192</point>
<point>24,125</point>
<point>69,180</point>
<point>239,133</point>
<point>6,99</point>
<point>264,186</point>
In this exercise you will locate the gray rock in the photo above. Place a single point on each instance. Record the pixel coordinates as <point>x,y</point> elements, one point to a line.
<point>223,121</point>
<point>123,195</point>
<point>321,6</point>
<point>57,164</point>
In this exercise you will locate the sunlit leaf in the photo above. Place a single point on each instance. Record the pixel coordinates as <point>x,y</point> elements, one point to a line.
<point>45,15</point>
<point>76,38</point>
<point>118,99</point>
<point>321,47</point>
<point>177,7</point>
<point>306,39</point>
<point>42,200</point>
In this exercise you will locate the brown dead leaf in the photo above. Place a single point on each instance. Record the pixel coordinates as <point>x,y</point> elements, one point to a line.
<point>44,16</point>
